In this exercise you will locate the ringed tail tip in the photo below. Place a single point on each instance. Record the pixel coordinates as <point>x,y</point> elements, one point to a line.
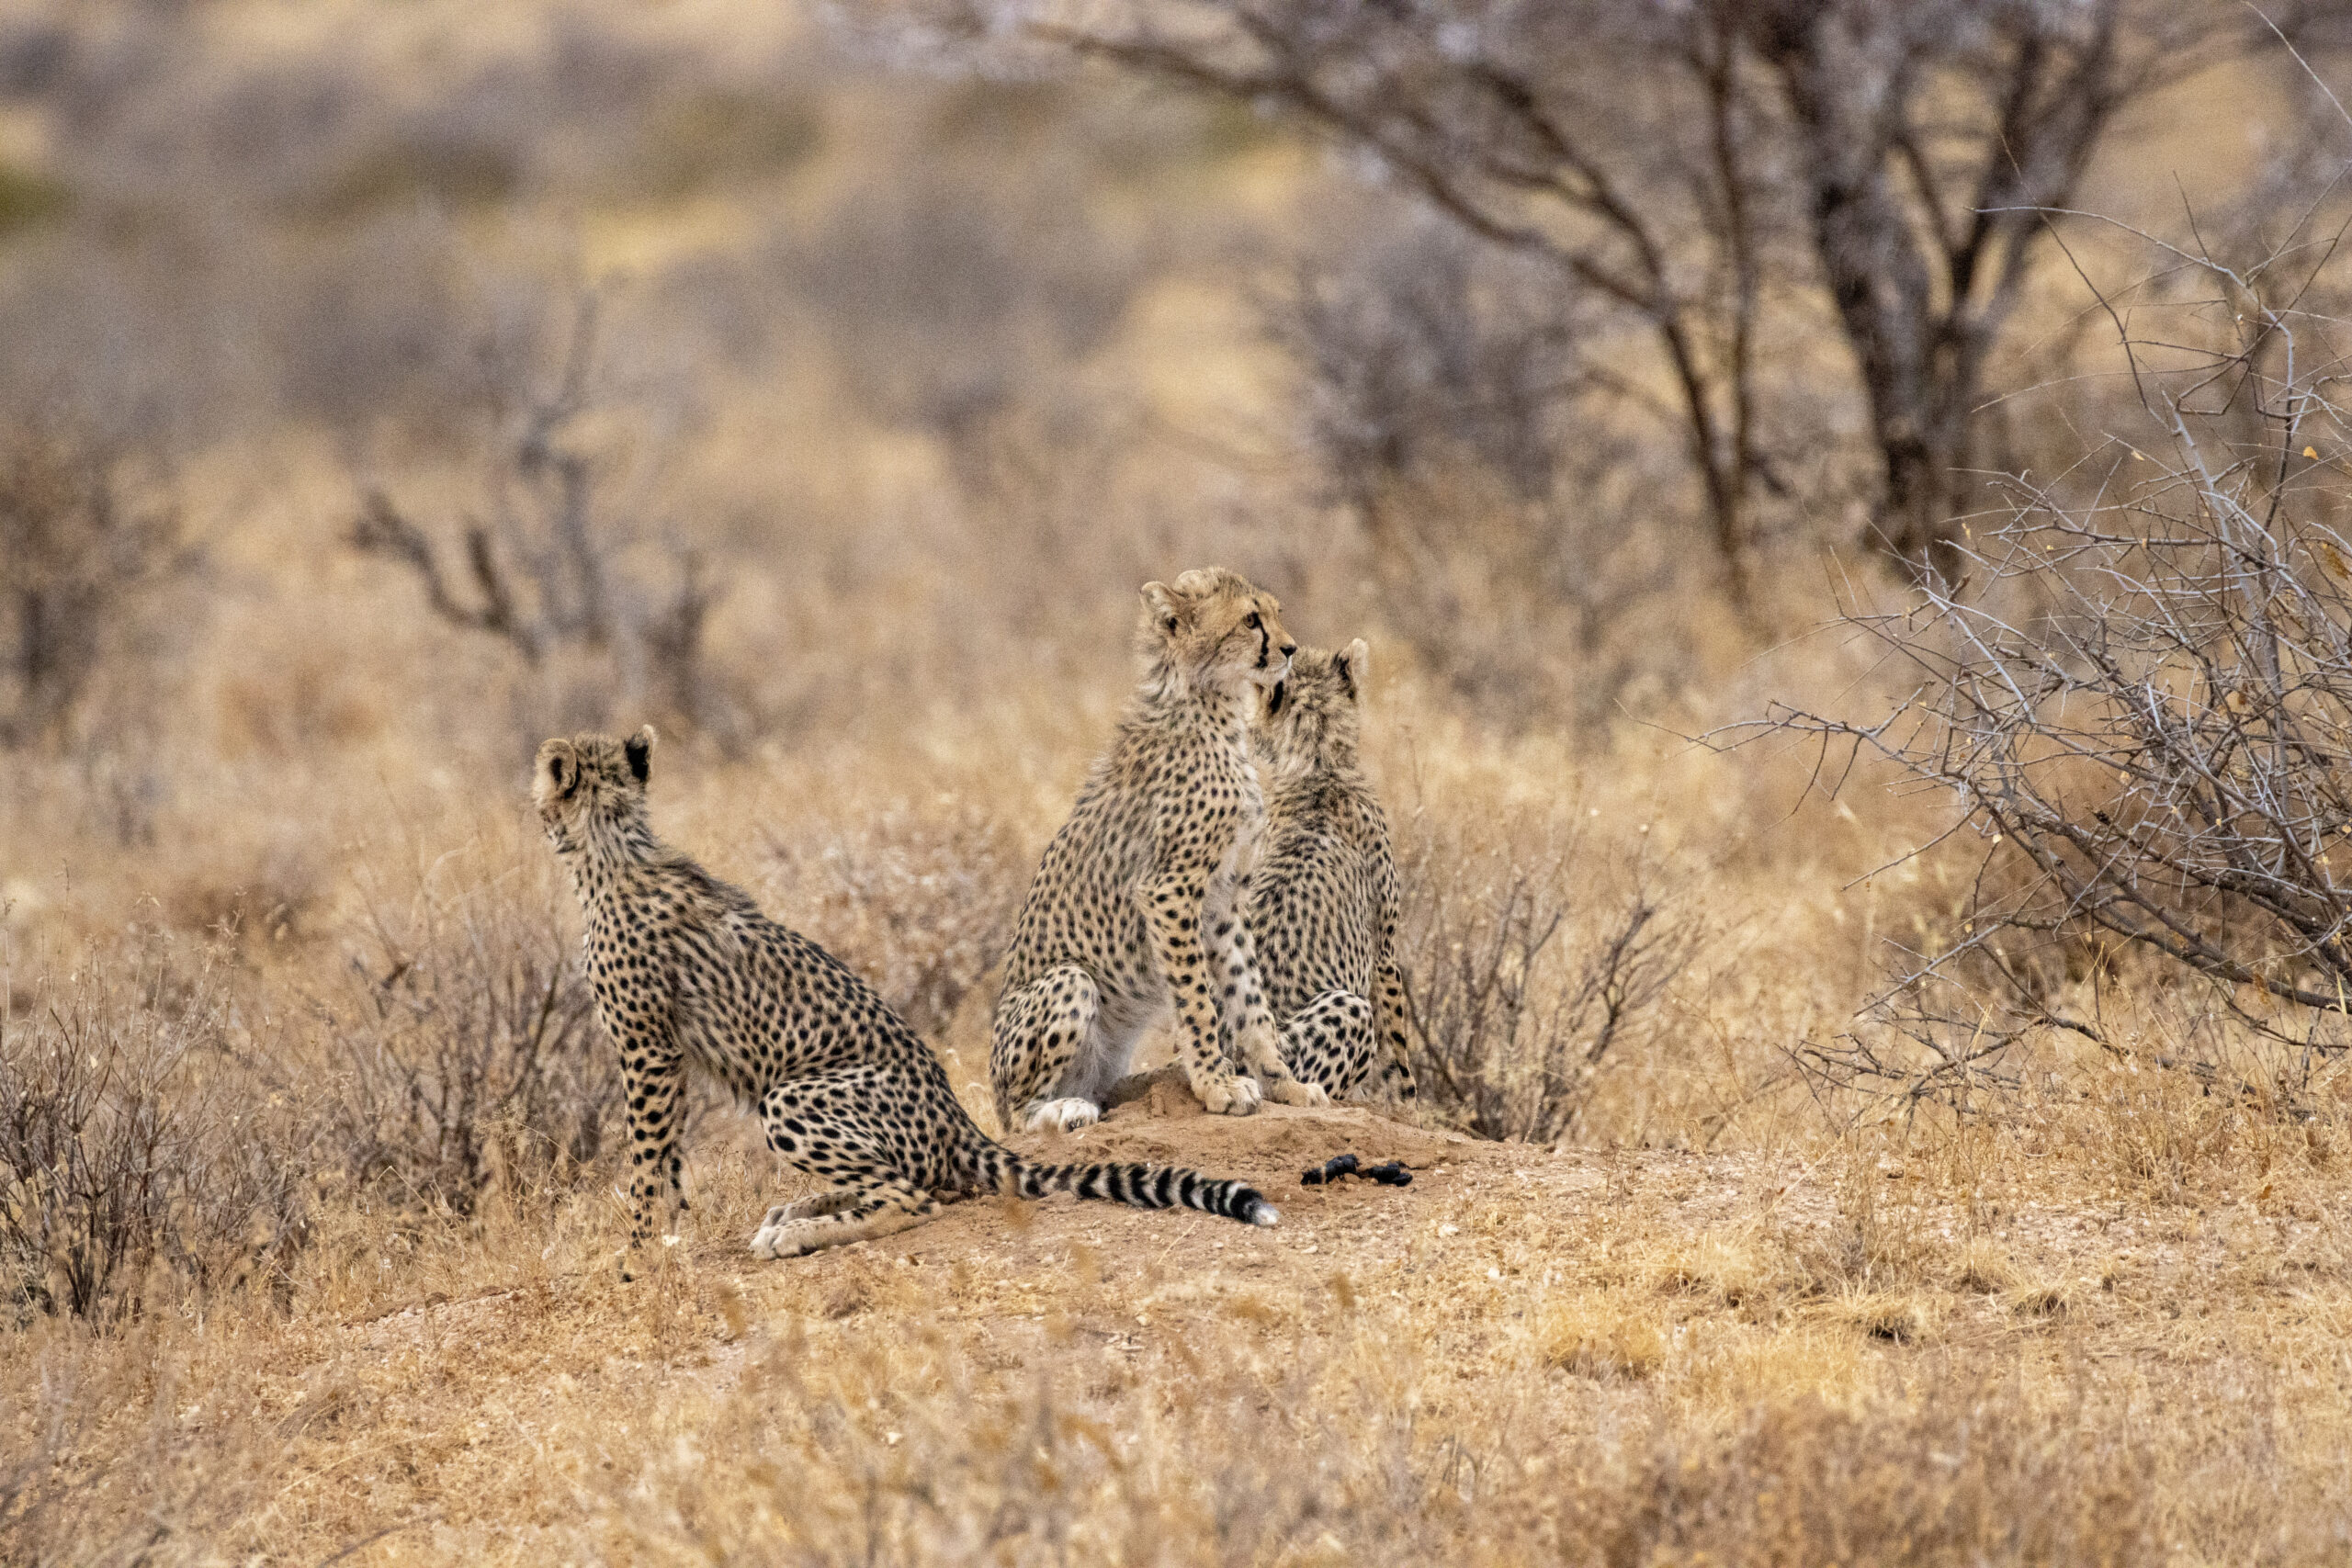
<point>1261,1213</point>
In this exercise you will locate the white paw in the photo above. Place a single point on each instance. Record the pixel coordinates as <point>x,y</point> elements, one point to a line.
<point>790,1239</point>
<point>1229,1096</point>
<point>1063,1115</point>
<point>1290,1091</point>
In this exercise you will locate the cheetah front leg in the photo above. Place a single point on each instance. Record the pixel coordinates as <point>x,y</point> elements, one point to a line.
<point>1172,906</point>
<point>1256,1041</point>
<point>654,1083</point>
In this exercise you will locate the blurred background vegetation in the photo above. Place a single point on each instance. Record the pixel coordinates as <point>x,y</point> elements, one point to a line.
<point>387,387</point>
<point>769,368</point>
<point>1946,392</point>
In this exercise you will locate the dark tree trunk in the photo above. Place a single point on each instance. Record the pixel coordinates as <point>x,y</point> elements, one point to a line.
<point>1846,72</point>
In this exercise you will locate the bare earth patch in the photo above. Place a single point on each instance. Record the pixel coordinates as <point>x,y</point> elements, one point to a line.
<point>1523,1350</point>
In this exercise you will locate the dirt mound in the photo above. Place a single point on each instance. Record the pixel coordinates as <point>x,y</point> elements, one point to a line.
<point>1154,1118</point>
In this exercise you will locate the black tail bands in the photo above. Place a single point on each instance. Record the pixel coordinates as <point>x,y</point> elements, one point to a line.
<point>1149,1187</point>
<point>1138,1185</point>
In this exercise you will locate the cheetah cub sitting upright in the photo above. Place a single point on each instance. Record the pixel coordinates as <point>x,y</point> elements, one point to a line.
<point>1135,902</point>
<point>687,972</point>
<point>1323,900</point>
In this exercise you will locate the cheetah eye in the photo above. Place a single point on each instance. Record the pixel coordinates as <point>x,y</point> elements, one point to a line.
<point>1254,622</point>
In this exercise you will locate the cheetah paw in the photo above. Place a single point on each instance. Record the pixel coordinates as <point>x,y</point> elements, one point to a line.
<point>1062,1115</point>
<point>1290,1091</point>
<point>1229,1096</point>
<point>785,1238</point>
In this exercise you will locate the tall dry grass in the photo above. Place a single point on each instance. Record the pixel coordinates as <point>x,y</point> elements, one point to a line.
<point>306,1134</point>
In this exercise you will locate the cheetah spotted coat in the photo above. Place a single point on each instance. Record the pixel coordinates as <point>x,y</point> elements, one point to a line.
<point>1134,907</point>
<point>687,972</point>
<point>1323,900</point>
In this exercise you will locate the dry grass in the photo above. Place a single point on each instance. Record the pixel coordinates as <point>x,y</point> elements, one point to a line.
<point>1609,1355</point>
<point>287,968</point>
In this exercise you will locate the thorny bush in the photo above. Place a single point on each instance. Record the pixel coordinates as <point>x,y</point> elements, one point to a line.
<point>132,1142</point>
<point>1527,968</point>
<point>918,901</point>
<point>469,1056</point>
<point>2137,689</point>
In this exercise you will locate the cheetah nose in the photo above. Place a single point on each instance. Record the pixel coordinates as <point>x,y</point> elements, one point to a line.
<point>1289,649</point>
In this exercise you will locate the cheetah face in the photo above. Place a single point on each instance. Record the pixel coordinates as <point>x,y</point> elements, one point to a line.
<point>590,782</point>
<point>1214,625</point>
<point>1316,714</point>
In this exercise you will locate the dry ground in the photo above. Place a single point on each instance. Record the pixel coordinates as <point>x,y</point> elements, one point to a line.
<point>281,861</point>
<point>1862,1356</point>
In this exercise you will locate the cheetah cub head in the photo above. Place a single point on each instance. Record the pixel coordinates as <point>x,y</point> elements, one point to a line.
<point>1314,717</point>
<point>588,782</point>
<point>1215,629</point>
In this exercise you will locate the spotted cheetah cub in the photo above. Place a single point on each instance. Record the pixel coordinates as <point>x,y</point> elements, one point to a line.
<point>1322,903</point>
<point>1134,903</point>
<point>688,973</point>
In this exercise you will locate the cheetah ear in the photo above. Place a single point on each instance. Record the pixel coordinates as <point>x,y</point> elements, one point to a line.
<point>1165,608</point>
<point>556,773</point>
<point>638,749</point>
<point>1353,665</point>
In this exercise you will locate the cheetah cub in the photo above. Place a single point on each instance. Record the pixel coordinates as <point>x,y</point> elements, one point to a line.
<point>688,973</point>
<point>1323,900</point>
<point>1135,902</point>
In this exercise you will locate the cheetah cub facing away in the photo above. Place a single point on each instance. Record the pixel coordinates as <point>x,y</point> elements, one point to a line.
<point>687,972</point>
<point>1135,902</point>
<point>1323,900</point>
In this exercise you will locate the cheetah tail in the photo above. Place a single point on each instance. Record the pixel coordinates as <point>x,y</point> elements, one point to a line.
<point>1140,1186</point>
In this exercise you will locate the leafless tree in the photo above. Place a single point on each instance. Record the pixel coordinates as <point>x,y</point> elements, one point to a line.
<point>546,565</point>
<point>2137,688</point>
<point>1453,407</point>
<point>1724,174</point>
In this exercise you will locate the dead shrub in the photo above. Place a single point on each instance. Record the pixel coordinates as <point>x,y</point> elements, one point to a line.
<point>565,558</point>
<point>918,900</point>
<point>1528,967</point>
<point>466,1057</point>
<point>2134,684</point>
<point>85,560</point>
<point>135,1156</point>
